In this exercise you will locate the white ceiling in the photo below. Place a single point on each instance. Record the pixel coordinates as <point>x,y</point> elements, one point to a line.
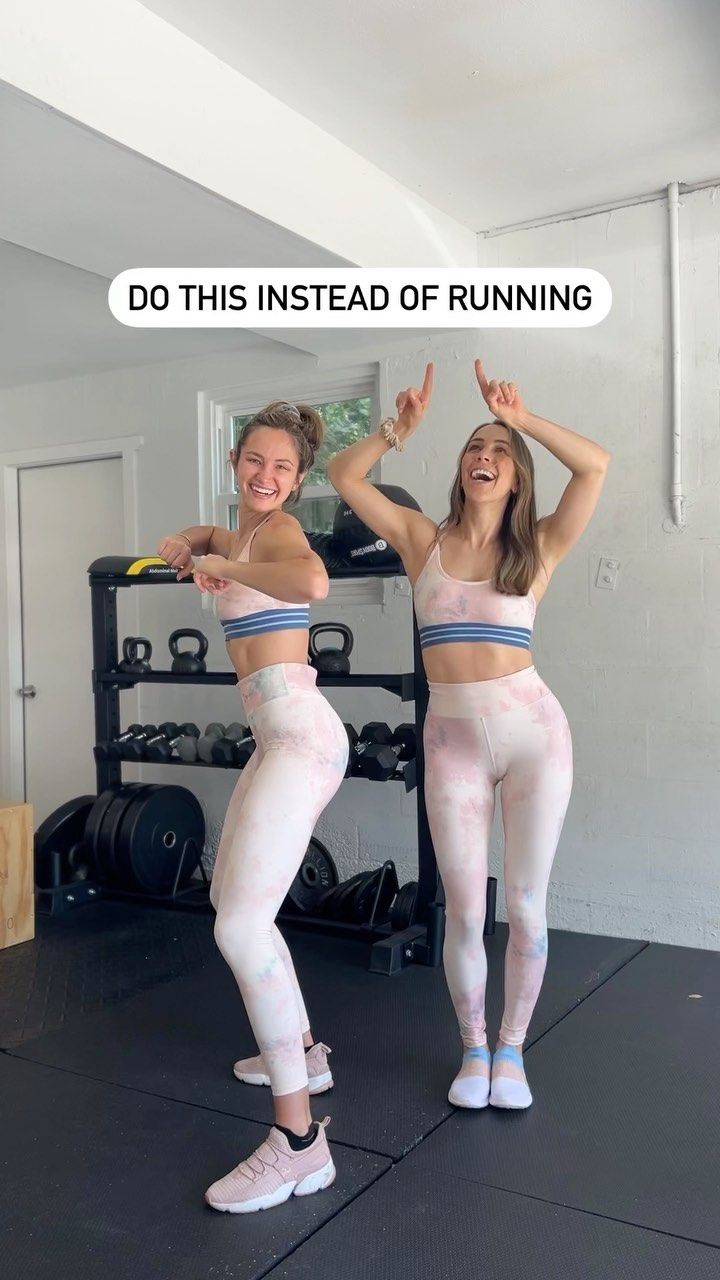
<point>495,113</point>
<point>75,209</point>
<point>81,198</point>
<point>55,323</point>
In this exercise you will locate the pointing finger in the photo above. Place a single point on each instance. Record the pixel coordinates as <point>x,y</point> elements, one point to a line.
<point>480,375</point>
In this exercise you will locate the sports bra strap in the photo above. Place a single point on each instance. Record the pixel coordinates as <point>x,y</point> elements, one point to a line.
<point>245,553</point>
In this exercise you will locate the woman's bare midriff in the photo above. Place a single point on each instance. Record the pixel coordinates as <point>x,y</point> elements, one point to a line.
<point>469,663</point>
<point>248,656</point>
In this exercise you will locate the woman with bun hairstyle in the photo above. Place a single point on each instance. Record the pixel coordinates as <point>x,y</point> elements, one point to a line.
<point>263,575</point>
<point>477,579</point>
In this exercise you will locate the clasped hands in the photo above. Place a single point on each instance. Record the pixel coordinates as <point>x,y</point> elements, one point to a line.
<point>210,574</point>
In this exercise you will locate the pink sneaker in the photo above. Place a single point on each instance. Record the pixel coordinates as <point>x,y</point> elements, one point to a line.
<point>253,1070</point>
<point>273,1173</point>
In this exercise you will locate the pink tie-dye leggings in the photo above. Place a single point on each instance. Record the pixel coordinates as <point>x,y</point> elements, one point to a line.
<point>510,730</point>
<point>297,766</point>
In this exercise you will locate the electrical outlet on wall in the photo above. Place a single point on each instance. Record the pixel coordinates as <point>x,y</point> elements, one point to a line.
<point>607,574</point>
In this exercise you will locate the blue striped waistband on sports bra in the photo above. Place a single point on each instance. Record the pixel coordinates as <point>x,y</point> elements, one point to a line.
<point>255,624</point>
<point>466,632</point>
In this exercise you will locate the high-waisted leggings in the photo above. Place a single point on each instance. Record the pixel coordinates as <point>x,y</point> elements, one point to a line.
<point>513,731</point>
<point>297,766</point>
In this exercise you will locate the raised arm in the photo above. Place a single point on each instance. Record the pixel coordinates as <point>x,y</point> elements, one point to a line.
<point>347,472</point>
<point>178,549</point>
<point>285,566</point>
<point>587,461</point>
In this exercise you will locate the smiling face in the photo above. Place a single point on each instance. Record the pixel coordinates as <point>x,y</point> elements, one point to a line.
<point>267,469</point>
<point>487,469</point>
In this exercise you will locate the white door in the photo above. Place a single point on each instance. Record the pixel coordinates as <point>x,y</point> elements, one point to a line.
<point>70,514</point>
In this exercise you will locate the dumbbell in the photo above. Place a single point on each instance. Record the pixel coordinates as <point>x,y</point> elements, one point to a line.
<point>213,731</point>
<point>162,748</point>
<point>235,748</point>
<point>102,750</point>
<point>405,738</point>
<point>379,759</point>
<point>135,748</point>
<point>116,748</point>
<point>375,733</point>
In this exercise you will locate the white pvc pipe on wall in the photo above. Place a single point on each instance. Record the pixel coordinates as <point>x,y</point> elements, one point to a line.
<point>677,500</point>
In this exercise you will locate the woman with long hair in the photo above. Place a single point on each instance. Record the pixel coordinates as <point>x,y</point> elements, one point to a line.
<point>477,579</point>
<point>263,575</point>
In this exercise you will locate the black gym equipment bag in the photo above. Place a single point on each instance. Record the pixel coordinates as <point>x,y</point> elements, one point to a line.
<point>352,547</point>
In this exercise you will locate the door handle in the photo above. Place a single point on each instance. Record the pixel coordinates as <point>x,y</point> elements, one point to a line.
<point>28,691</point>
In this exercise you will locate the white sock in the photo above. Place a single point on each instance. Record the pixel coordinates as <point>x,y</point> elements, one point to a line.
<point>471,1086</point>
<point>507,1092</point>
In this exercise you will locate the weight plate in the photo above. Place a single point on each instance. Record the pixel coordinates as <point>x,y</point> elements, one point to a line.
<point>317,874</point>
<point>404,906</point>
<point>94,819</point>
<point>63,828</point>
<point>336,903</point>
<point>361,903</point>
<point>105,850</point>
<point>78,862</point>
<point>155,835</point>
<point>123,872</point>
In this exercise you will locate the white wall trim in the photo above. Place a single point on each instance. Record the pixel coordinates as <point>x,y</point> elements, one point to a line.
<point>12,770</point>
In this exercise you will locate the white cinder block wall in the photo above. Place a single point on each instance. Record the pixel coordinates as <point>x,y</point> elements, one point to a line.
<point>636,669</point>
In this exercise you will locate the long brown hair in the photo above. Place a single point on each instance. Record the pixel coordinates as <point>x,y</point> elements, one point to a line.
<point>300,421</point>
<point>520,555</point>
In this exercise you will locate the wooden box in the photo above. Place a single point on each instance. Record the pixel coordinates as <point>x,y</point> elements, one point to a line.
<point>17,891</point>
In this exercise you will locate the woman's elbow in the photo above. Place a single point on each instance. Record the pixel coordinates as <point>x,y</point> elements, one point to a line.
<point>319,584</point>
<point>337,473</point>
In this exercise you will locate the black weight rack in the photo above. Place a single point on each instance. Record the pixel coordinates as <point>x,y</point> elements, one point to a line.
<point>421,942</point>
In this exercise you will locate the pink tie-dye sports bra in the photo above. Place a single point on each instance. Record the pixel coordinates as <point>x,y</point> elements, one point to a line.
<point>450,611</point>
<point>245,612</point>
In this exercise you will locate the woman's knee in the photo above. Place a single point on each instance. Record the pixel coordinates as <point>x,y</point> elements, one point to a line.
<point>466,919</point>
<point>527,925</point>
<point>241,939</point>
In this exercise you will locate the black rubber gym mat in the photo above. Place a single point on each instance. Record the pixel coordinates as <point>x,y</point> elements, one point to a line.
<point>626,1117</point>
<point>395,1040</point>
<point>94,956</point>
<point>99,1182</point>
<point>416,1224</point>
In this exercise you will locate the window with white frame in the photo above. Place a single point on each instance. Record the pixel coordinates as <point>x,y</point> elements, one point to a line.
<point>347,406</point>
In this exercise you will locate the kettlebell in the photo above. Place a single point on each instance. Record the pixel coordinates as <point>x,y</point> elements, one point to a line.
<point>187,663</point>
<point>331,662</point>
<point>131,663</point>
